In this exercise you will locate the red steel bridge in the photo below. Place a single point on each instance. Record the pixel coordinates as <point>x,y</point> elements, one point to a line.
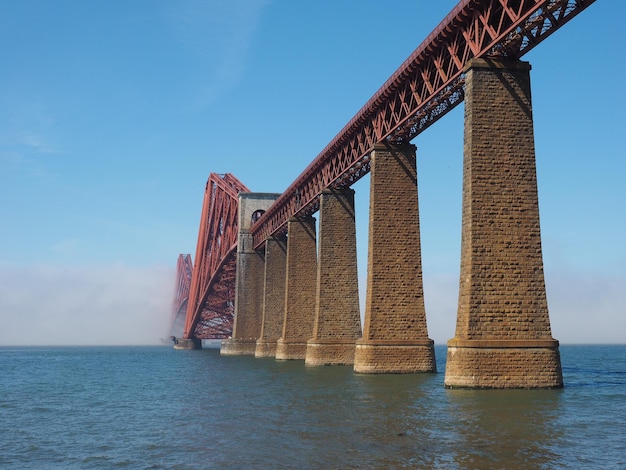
<point>210,286</point>
<point>423,89</point>
<point>184,267</point>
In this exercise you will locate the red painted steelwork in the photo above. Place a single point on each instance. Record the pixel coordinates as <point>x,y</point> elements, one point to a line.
<point>425,87</point>
<point>184,268</point>
<point>211,297</point>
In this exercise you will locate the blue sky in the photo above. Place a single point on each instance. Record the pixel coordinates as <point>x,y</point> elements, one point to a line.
<point>113,114</point>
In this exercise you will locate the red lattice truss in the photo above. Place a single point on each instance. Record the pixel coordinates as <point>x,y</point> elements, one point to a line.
<point>212,292</point>
<point>425,87</point>
<point>184,268</point>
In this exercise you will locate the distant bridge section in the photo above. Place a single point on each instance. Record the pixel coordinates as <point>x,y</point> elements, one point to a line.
<point>425,87</point>
<point>184,269</point>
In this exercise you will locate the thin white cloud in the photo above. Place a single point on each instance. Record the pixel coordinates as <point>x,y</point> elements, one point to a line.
<point>587,307</point>
<point>220,33</point>
<point>118,304</point>
<point>30,126</point>
<point>38,143</point>
<point>584,308</point>
<point>26,138</point>
<point>105,305</point>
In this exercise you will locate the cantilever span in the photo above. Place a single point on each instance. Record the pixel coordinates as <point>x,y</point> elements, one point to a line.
<point>425,87</point>
<point>184,267</point>
<point>211,294</point>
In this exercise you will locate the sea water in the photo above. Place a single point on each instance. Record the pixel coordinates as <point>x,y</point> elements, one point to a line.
<point>160,408</point>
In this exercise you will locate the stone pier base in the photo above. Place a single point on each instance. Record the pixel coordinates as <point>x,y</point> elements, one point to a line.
<point>190,343</point>
<point>265,349</point>
<point>395,336</point>
<point>503,364</point>
<point>394,357</point>
<point>288,351</point>
<point>503,337</point>
<point>238,347</point>
<point>329,352</point>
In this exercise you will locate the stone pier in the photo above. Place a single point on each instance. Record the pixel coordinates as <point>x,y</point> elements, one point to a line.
<point>395,337</point>
<point>250,278</point>
<point>189,343</point>
<point>503,337</point>
<point>337,319</point>
<point>300,289</point>
<point>274,296</point>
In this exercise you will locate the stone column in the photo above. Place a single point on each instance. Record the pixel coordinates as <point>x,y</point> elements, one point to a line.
<point>503,337</point>
<point>274,296</point>
<point>300,289</point>
<point>248,299</point>
<point>395,337</point>
<point>337,319</point>
<point>250,278</point>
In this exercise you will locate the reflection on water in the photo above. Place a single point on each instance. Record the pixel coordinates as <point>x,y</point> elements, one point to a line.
<point>338,419</point>
<point>505,428</point>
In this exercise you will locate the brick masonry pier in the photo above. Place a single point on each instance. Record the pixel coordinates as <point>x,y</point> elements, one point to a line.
<point>250,279</point>
<point>300,289</point>
<point>395,337</point>
<point>503,337</point>
<point>274,296</point>
<point>337,323</point>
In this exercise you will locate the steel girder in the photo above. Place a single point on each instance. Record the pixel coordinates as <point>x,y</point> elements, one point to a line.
<point>184,269</point>
<point>425,87</point>
<point>215,320</point>
<point>211,296</point>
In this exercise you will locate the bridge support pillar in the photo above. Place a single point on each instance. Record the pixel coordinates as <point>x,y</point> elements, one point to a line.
<point>503,337</point>
<point>299,290</point>
<point>249,278</point>
<point>248,300</point>
<point>395,337</point>
<point>274,296</point>
<point>337,319</point>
